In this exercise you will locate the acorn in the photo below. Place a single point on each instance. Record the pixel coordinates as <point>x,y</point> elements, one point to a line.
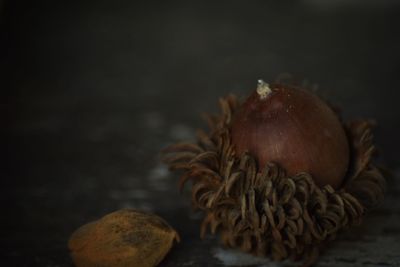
<point>295,129</point>
<point>280,174</point>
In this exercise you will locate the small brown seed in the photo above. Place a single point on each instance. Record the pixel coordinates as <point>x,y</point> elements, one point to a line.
<point>122,238</point>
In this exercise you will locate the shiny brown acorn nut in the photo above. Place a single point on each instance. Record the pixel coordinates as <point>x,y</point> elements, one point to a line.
<point>295,129</point>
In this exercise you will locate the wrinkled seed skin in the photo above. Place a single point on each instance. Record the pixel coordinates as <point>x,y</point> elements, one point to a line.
<point>295,129</point>
<point>122,238</point>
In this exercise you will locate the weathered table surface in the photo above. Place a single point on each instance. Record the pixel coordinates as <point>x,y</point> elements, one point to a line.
<point>95,90</point>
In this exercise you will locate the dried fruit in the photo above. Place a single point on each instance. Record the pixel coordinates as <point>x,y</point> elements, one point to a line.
<point>122,238</point>
<point>267,199</point>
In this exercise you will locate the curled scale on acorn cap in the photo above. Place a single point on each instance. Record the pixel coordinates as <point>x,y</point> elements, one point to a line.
<point>280,174</point>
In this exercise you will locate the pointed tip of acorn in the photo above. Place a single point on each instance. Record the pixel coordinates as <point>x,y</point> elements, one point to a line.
<point>263,89</point>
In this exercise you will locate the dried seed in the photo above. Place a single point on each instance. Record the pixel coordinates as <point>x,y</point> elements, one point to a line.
<point>121,239</point>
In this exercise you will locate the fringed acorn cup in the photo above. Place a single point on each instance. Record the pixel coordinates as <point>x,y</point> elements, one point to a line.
<point>279,175</point>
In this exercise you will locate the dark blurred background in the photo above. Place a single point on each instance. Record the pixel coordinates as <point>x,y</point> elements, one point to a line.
<point>92,90</point>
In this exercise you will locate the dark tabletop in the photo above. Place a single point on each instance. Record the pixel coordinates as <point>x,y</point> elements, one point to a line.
<point>92,90</point>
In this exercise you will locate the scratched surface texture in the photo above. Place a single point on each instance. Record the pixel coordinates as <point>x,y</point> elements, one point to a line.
<point>92,90</point>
